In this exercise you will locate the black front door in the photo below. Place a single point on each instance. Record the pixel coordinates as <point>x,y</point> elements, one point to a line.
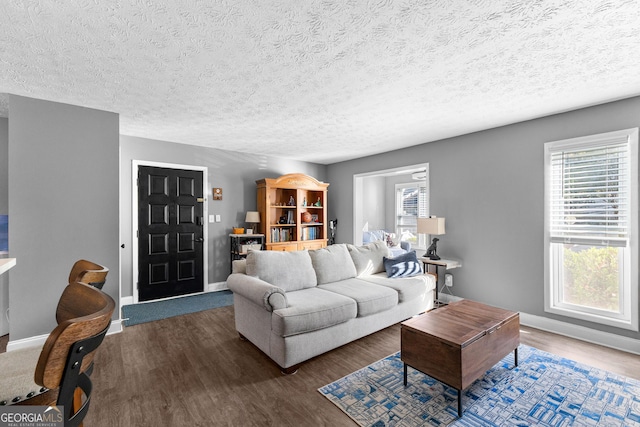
<point>170,232</point>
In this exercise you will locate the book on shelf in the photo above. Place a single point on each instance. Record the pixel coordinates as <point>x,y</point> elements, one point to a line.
<point>281,235</point>
<point>311,233</point>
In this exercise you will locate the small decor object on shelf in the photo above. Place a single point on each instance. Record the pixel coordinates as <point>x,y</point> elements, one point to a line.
<point>304,202</point>
<point>238,230</point>
<point>306,217</point>
<point>217,194</point>
<point>292,201</point>
<point>318,203</point>
<point>431,250</point>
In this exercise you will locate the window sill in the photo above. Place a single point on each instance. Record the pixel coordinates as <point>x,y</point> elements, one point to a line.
<point>627,324</point>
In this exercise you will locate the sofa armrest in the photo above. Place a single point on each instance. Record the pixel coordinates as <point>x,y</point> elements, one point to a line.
<point>258,291</point>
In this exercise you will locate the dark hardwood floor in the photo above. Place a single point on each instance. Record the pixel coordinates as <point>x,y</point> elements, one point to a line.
<point>193,370</point>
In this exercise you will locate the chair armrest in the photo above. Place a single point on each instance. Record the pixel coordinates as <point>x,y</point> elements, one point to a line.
<point>258,291</point>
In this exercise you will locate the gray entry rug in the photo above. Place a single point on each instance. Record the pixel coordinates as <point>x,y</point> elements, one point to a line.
<point>544,390</point>
<point>135,314</point>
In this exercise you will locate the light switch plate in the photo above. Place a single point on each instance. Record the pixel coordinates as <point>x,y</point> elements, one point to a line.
<point>212,218</point>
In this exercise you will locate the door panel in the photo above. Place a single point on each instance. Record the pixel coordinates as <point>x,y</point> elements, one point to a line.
<point>170,232</point>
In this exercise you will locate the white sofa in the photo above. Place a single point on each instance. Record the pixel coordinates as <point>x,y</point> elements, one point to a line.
<point>296,305</point>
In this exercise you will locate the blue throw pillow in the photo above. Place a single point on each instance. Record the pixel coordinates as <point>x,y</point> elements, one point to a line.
<point>402,266</point>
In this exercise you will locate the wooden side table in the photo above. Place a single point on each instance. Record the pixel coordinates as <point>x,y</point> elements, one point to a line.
<point>242,243</point>
<point>439,268</point>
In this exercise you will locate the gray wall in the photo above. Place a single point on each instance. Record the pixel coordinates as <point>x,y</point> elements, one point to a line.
<point>236,173</point>
<point>490,188</point>
<point>63,204</point>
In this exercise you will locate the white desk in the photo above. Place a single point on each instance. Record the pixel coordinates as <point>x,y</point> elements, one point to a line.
<point>6,264</point>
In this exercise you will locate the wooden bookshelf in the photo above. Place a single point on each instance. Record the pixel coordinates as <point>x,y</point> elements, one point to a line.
<point>293,212</point>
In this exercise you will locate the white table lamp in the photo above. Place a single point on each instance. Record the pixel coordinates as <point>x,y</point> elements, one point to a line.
<point>435,227</point>
<point>252,218</point>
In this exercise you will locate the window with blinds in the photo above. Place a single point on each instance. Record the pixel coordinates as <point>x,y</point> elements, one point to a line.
<point>411,202</point>
<point>590,193</point>
<point>591,223</point>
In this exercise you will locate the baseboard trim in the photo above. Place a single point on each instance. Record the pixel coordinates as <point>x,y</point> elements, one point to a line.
<point>582,333</point>
<point>126,301</point>
<point>38,341</point>
<point>211,287</point>
<point>114,328</point>
<point>617,342</point>
<point>217,286</point>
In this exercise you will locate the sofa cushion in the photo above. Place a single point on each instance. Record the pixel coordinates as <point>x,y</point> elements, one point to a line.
<point>408,288</point>
<point>370,298</point>
<point>310,310</point>
<point>402,266</point>
<point>290,271</point>
<point>368,258</point>
<point>332,264</point>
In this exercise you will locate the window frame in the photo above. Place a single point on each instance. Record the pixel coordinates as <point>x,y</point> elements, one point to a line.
<point>628,317</point>
<point>424,184</point>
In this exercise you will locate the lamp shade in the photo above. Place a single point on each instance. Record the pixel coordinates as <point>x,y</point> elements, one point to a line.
<point>252,217</point>
<point>433,225</point>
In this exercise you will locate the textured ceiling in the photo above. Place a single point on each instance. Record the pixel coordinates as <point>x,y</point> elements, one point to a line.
<point>319,80</point>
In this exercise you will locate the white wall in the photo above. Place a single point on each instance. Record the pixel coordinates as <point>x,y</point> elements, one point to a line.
<point>374,201</point>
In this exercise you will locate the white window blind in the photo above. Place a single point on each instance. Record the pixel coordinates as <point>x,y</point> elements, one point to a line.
<point>414,201</point>
<point>590,194</point>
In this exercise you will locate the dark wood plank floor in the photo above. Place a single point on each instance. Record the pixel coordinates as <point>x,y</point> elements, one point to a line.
<point>194,370</point>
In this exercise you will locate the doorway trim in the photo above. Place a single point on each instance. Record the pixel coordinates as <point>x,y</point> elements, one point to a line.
<point>134,220</point>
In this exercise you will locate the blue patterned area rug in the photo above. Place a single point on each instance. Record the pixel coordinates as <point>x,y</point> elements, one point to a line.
<point>134,314</point>
<point>544,390</point>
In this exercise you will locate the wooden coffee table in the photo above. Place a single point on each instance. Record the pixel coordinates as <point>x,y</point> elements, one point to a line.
<point>459,343</point>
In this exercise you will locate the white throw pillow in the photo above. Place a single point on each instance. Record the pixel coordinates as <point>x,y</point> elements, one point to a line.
<point>368,258</point>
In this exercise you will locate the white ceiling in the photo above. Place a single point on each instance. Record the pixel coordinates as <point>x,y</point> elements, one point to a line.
<point>319,80</point>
